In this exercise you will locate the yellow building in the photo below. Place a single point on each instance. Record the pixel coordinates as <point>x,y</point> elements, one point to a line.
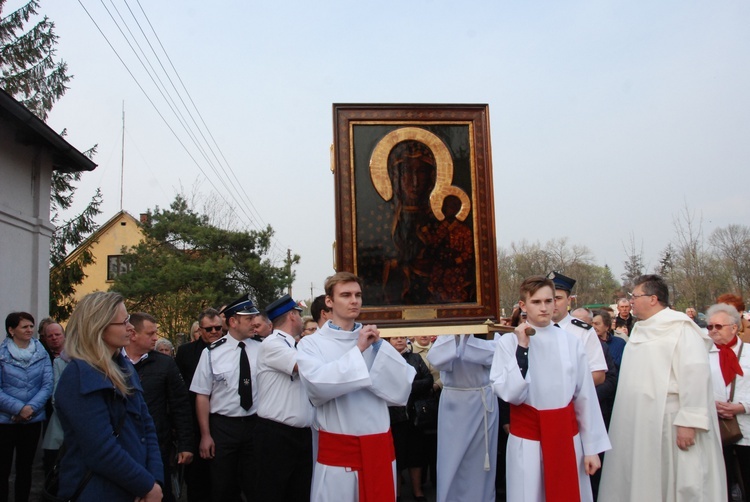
<point>106,246</point>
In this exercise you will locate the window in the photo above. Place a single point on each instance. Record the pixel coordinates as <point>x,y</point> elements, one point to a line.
<point>115,267</point>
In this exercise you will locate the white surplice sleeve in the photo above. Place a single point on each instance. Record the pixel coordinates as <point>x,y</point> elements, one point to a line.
<point>443,352</point>
<point>507,381</point>
<point>391,376</point>
<point>325,380</point>
<point>479,351</point>
<point>594,438</point>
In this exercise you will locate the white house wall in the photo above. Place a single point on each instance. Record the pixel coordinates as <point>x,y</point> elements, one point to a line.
<point>25,230</point>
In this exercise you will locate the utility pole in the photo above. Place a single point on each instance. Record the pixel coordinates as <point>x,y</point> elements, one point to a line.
<point>122,156</point>
<point>289,270</point>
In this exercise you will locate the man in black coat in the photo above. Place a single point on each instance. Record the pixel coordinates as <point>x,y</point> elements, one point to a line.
<point>165,393</point>
<point>198,474</point>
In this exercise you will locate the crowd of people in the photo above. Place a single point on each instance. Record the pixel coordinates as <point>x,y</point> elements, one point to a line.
<point>626,404</point>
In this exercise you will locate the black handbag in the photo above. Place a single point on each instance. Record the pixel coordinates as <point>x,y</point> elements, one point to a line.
<point>52,481</point>
<point>426,412</point>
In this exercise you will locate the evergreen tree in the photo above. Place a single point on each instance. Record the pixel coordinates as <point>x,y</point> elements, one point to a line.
<point>186,264</point>
<point>633,265</point>
<point>28,69</point>
<point>69,234</point>
<point>30,73</point>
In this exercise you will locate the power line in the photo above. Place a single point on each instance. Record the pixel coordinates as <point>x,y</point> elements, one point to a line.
<point>254,210</point>
<point>244,205</point>
<point>153,104</point>
<point>175,112</point>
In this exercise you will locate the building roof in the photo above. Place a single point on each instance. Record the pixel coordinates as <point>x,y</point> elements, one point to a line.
<point>32,129</point>
<point>91,239</point>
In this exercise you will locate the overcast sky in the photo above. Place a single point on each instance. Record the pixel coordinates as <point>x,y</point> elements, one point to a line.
<point>606,118</point>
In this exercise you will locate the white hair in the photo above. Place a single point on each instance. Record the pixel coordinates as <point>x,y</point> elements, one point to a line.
<point>724,308</point>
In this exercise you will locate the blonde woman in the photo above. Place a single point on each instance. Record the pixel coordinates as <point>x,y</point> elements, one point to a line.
<point>99,393</point>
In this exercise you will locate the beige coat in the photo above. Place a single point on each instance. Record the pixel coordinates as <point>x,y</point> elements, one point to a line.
<point>665,382</point>
<point>423,351</point>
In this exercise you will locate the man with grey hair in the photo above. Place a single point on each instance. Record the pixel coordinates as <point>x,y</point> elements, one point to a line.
<point>624,319</point>
<point>54,341</point>
<point>262,326</point>
<point>583,314</point>
<point>664,429</point>
<point>164,346</point>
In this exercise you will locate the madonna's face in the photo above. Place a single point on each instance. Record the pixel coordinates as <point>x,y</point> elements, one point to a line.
<point>415,178</point>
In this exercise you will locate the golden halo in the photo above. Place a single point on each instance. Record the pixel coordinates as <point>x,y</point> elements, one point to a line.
<point>437,198</point>
<point>443,168</point>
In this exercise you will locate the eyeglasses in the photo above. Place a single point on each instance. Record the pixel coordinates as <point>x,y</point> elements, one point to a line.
<point>633,296</point>
<point>123,323</point>
<point>710,327</point>
<point>209,329</point>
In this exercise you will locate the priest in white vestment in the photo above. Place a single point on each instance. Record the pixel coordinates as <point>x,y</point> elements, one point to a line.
<point>468,419</point>
<point>352,377</point>
<point>556,427</point>
<point>664,430</point>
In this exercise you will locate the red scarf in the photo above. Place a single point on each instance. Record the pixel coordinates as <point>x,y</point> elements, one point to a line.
<point>730,366</point>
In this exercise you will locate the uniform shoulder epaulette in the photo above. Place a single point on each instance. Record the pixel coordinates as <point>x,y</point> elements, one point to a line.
<point>217,343</point>
<point>580,323</point>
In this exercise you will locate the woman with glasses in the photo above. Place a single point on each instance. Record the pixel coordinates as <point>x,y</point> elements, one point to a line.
<point>730,374</point>
<point>108,430</point>
<point>310,327</point>
<point>25,385</point>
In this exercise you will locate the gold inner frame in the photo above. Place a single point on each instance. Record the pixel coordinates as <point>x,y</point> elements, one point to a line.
<point>436,195</point>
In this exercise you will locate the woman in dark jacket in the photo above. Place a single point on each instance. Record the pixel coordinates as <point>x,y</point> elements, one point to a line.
<point>25,385</point>
<point>408,439</point>
<point>98,393</point>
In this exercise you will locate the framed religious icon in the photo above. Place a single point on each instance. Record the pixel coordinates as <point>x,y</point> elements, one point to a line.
<point>415,212</point>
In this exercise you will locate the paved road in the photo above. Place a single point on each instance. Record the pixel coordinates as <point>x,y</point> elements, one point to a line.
<point>38,480</point>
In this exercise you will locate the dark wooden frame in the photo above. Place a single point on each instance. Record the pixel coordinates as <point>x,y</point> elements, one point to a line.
<point>359,130</point>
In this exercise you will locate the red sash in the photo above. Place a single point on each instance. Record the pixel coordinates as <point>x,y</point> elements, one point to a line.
<point>554,429</point>
<point>371,456</point>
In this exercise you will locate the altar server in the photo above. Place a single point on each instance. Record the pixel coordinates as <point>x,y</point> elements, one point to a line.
<point>556,427</point>
<point>352,377</point>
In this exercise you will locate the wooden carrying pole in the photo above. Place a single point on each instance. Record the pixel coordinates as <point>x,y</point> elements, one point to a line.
<point>470,329</point>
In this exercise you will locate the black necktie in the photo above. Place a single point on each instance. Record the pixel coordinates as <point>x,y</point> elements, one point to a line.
<point>246,383</point>
<point>557,325</point>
